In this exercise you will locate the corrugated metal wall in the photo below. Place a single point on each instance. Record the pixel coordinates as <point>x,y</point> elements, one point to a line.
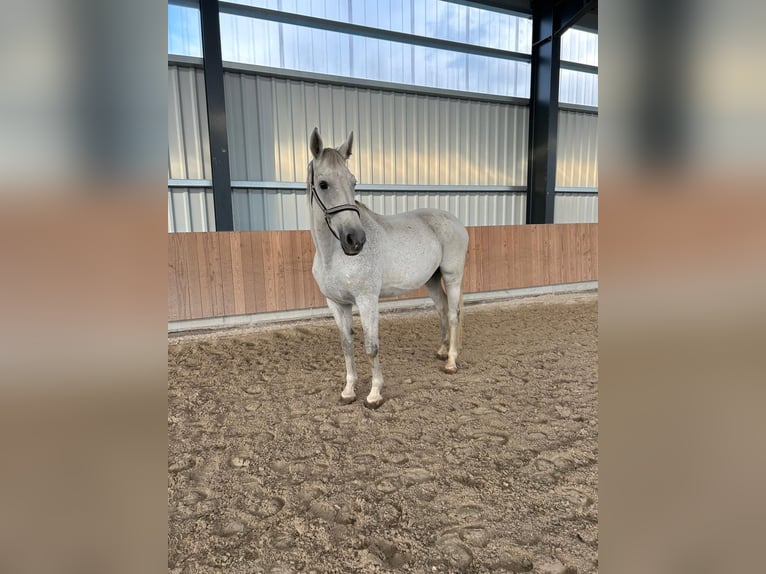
<point>577,87</point>
<point>576,157</point>
<point>269,209</point>
<point>400,139</point>
<point>287,208</point>
<point>576,208</point>
<point>471,207</point>
<point>190,209</point>
<point>188,143</point>
<point>577,168</point>
<point>190,206</point>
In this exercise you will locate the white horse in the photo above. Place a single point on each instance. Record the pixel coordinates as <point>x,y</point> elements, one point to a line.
<point>362,256</point>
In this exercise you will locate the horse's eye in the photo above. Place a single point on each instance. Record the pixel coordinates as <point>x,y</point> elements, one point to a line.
<point>323,185</point>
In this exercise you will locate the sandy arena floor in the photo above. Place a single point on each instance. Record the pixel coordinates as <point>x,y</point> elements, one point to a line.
<point>494,469</point>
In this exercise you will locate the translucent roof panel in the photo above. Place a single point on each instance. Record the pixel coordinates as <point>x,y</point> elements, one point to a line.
<point>428,18</point>
<point>184,31</point>
<point>579,46</point>
<point>286,46</point>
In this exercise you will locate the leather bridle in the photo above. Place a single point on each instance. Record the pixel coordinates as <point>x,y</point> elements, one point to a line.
<point>328,212</point>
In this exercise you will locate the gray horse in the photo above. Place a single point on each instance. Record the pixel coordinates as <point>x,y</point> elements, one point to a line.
<point>362,256</point>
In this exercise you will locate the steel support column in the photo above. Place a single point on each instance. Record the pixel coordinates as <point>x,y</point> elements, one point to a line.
<point>549,20</point>
<point>543,115</point>
<point>216,114</point>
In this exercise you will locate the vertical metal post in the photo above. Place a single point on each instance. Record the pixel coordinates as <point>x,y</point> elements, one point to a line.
<point>549,20</point>
<point>216,114</point>
<point>543,114</point>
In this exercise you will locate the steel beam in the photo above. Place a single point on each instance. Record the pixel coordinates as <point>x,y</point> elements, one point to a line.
<point>549,20</point>
<point>216,114</point>
<point>543,115</point>
<point>570,12</point>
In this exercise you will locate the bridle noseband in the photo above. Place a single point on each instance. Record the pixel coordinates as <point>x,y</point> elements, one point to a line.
<point>332,210</point>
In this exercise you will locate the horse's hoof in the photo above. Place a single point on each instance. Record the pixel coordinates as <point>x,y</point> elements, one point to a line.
<point>372,405</point>
<point>442,356</point>
<point>450,370</point>
<point>347,400</point>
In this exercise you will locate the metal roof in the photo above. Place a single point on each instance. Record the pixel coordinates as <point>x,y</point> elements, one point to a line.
<point>589,21</point>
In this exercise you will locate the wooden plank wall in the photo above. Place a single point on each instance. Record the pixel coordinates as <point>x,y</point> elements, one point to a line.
<point>235,273</point>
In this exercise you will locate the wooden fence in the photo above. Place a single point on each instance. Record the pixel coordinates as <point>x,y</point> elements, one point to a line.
<point>235,273</point>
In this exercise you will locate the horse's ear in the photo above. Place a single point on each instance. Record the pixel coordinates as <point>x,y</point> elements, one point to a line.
<point>345,149</point>
<point>315,143</point>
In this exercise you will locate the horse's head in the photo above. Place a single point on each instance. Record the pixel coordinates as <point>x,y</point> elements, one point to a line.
<point>331,186</point>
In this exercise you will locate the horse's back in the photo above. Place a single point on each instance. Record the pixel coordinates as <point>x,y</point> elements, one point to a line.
<point>444,224</point>
<point>446,227</point>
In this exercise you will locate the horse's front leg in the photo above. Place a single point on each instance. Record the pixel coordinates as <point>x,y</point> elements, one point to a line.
<point>368,313</point>
<point>342,314</point>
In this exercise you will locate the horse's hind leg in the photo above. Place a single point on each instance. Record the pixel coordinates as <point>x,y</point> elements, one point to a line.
<point>342,314</point>
<point>436,292</point>
<point>453,283</point>
<point>368,313</point>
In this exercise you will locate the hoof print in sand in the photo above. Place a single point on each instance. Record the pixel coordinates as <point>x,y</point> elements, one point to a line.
<point>232,528</point>
<point>239,461</point>
<point>388,553</point>
<point>555,566</point>
<point>455,555</point>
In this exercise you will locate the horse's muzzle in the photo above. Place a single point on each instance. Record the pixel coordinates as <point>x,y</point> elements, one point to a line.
<point>353,241</point>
